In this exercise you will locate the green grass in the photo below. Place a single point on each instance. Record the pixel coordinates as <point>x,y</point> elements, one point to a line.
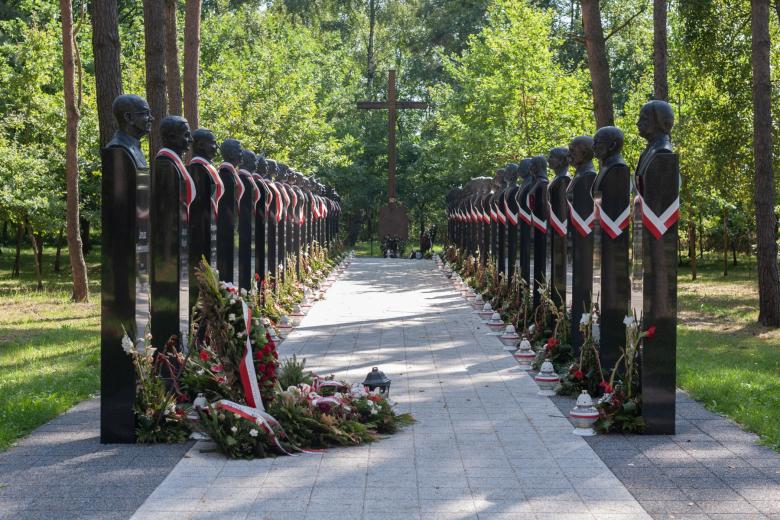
<point>364,248</point>
<point>725,360</point>
<point>49,347</point>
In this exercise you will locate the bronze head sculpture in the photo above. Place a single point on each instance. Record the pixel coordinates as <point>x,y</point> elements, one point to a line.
<point>248,161</point>
<point>134,120</point>
<point>558,160</point>
<point>581,153</point>
<point>510,174</point>
<point>204,144</point>
<point>608,144</point>
<point>656,119</point>
<point>175,134</point>
<point>539,167</point>
<point>231,151</point>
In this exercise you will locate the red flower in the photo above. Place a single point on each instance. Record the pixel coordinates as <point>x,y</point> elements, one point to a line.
<point>267,348</point>
<point>257,277</point>
<point>650,332</point>
<point>606,387</point>
<point>261,367</point>
<point>276,356</point>
<point>258,356</point>
<point>578,375</point>
<point>204,356</point>
<point>217,368</point>
<point>552,342</point>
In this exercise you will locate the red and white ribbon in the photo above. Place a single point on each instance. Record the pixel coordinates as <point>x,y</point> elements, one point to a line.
<point>660,224</point>
<point>219,188</point>
<point>560,226</point>
<point>493,215</point>
<point>613,228</point>
<point>255,190</point>
<point>584,226</point>
<point>259,181</point>
<point>277,201</point>
<point>188,193</point>
<point>522,214</point>
<point>236,181</point>
<point>511,216</point>
<point>537,222</point>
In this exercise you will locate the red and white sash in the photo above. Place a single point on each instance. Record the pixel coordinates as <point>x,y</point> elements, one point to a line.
<point>613,228</point>
<point>255,189</point>
<point>584,226</point>
<point>188,193</point>
<point>219,188</point>
<point>511,216</point>
<point>236,181</point>
<point>660,224</point>
<point>537,222</point>
<point>277,200</point>
<point>500,215</point>
<point>253,411</point>
<point>560,226</point>
<point>524,216</point>
<point>259,181</point>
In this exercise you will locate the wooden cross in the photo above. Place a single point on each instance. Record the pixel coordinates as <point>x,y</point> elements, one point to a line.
<point>392,105</point>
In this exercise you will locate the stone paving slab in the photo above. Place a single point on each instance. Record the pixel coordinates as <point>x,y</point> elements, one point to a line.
<point>484,446</point>
<point>61,471</point>
<point>710,469</point>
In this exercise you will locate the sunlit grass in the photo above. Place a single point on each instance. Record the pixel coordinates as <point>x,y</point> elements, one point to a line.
<point>49,346</point>
<point>725,360</point>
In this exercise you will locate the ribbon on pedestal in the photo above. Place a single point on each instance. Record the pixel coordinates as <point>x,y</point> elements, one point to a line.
<point>560,226</point>
<point>660,224</point>
<point>584,226</point>
<point>219,187</point>
<point>613,228</point>
<point>511,216</point>
<point>186,195</point>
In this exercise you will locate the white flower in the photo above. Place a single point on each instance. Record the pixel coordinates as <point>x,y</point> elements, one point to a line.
<point>234,429</point>
<point>200,372</point>
<point>585,318</point>
<point>628,321</point>
<point>253,432</point>
<point>232,317</point>
<point>596,332</point>
<point>127,344</point>
<point>236,416</point>
<point>232,301</point>
<point>241,334</point>
<point>532,328</point>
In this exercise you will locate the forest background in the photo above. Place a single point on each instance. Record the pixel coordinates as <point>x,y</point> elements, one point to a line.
<point>505,79</point>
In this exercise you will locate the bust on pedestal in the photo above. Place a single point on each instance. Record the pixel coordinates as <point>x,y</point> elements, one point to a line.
<point>173,191</point>
<point>227,221</point>
<point>124,285</point>
<point>204,209</point>
<point>658,184</point>
<point>582,219</point>
<point>246,219</point>
<point>538,204</point>
<point>524,215</point>
<point>610,259</point>
<point>558,217</point>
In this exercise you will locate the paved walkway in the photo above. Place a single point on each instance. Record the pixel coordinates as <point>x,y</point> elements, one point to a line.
<point>485,445</point>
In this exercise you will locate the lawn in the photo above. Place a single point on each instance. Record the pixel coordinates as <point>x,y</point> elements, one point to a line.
<point>49,347</point>
<point>725,360</point>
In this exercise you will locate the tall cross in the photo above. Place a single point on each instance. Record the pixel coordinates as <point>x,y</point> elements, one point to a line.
<point>392,105</point>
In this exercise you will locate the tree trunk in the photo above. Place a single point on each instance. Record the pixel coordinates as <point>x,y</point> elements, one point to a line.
<point>191,61</point>
<point>30,231</point>
<point>597,63</point>
<point>39,251</point>
<point>17,260</point>
<point>370,54</point>
<point>660,82</point>
<point>72,115</point>
<point>768,280</point>
<point>108,74</point>
<point>701,236</point>
<point>725,242</point>
<point>172,75</point>
<point>58,255</point>
<point>692,247</point>
<point>734,254</point>
<point>154,34</point>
